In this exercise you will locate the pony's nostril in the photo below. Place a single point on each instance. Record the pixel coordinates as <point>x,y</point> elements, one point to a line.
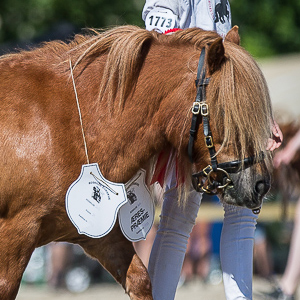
<point>262,187</point>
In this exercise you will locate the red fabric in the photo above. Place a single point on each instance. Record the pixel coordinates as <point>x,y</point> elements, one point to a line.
<point>161,168</point>
<point>172,30</point>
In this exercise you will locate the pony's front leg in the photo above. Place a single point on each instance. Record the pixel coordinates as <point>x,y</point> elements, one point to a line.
<point>138,284</point>
<point>118,257</point>
<point>17,242</point>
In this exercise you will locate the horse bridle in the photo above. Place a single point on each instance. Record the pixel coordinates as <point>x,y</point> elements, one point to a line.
<point>215,177</point>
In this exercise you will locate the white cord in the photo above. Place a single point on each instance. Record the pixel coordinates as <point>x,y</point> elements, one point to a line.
<point>79,112</point>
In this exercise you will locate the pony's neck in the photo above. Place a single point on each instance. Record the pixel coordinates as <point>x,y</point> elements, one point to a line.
<point>152,119</point>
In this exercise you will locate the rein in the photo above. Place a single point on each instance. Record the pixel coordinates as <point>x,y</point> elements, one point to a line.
<point>216,176</point>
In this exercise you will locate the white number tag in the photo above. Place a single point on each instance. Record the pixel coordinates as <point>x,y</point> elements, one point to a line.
<point>160,20</point>
<point>92,202</point>
<point>137,215</point>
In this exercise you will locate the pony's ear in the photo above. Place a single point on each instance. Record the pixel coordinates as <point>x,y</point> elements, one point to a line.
<point>233,35</point>
<point>215,56</point>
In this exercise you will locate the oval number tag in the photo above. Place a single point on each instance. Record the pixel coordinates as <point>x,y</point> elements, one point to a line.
<point>92,202</point>
<point>137,215</point>
<point>161,20</point>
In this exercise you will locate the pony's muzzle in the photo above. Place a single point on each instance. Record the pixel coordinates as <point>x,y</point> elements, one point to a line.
<point>261,188</point>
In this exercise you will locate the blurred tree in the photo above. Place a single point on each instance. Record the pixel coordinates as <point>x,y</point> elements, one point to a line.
<point>27,20</point>
<point>268,27</point>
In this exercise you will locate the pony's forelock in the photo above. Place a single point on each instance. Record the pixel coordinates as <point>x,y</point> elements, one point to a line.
<point>241,104</point>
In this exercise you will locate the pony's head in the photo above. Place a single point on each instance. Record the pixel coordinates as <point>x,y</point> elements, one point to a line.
<point>234,125</point>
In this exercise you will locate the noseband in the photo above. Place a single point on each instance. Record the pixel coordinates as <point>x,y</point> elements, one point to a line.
<point>215,177</point>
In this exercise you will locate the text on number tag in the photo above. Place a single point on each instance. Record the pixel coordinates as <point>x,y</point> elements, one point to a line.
<point>161,20</point>
<point>137,215</point>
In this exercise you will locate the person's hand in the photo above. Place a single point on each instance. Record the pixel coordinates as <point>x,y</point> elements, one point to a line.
<point>284,156</point>
<point>276,140</point>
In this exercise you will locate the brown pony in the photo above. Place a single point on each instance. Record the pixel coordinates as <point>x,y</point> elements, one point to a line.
<point>135,89</point>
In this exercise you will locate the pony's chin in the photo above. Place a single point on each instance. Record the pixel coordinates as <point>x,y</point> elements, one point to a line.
<point>240,200</point>
<point>226,198</point>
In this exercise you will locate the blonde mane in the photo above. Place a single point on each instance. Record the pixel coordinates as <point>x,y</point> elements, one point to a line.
<point>126,48</point>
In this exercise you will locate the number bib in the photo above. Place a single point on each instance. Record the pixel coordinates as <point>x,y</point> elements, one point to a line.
<point>92,202</point>
<point>137,215</point>
<point>160,20</point>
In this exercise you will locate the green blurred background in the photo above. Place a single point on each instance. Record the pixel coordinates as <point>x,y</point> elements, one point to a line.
<point>267,27</point>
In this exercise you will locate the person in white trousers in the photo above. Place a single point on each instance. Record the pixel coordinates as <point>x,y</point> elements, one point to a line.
<point>176,222</point>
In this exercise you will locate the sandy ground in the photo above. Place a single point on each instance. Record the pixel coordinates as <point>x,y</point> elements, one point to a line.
<point>195,290</point>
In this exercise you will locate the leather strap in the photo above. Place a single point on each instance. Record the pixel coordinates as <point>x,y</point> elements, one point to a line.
<point>234,166</point>
<point>201,108</point>
<point>196,105</point>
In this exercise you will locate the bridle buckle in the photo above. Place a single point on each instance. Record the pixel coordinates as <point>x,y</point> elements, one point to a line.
<point>196,108</point>
<point>204,109</point>
<point>199,107</point>
<point>209,141</point>
<point>207,170</point>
